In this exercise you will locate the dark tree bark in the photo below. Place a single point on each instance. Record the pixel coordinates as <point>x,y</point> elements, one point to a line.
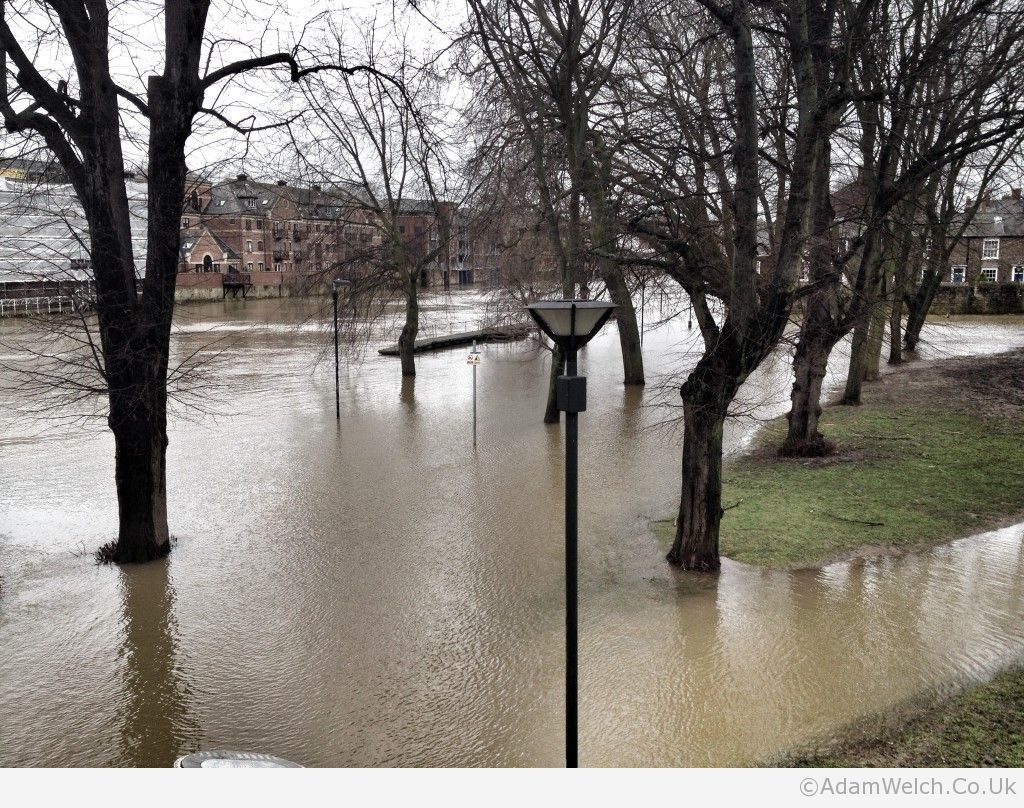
<point>858,358</point>
<point>813,348</point>
<point>919,306</point>
<point>411,327</point>
<point>876,336</point>
<point>706,396</point>
<point>625,321</point>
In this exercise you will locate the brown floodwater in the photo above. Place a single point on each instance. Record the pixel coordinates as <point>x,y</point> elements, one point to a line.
<point>383,594</point>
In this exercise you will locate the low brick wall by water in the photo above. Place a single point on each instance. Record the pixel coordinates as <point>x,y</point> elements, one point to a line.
<point>194,286</point>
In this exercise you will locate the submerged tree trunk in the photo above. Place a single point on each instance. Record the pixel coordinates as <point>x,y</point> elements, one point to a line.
<point>625,321</point>
<point>139,424</point>
<point>407,339</point>
<point>706,396</point>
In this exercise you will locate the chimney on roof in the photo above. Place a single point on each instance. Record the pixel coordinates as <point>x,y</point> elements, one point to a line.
<point>242,177</point>
<point>281,182</point>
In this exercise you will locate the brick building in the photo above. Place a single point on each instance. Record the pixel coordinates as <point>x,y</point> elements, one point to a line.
<point>992,247</point>
<point>313,234</point>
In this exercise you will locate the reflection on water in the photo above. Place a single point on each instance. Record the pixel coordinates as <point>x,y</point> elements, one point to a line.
<point>156,724</point>
<point>382,593</point>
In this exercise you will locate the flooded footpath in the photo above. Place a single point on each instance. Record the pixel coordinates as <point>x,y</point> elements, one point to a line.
<point>379,592</point>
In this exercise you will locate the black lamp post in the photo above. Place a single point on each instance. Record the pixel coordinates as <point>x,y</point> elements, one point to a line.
<point>335,286</point>
<point>571,324</point>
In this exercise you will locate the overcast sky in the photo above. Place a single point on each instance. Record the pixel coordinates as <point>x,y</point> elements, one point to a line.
<point>239,29</point>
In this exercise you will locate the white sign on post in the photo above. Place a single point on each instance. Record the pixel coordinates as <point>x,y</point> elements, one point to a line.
<point>473,358</point>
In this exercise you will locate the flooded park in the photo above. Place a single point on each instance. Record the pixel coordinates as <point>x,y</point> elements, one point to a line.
<point>379,592</point>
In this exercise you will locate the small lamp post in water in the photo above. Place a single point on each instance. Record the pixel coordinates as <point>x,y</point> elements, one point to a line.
<point>335,286</point>
<point>571,324</point>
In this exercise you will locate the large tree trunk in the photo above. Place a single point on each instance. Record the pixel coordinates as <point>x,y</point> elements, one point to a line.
<point>817,339</point>
<point>858,352</point>
<point>896,317</point>
<point>706,396</point>
<point>407,339</point>
<point>139,423</point>
<point>920,305</point>
<point>876,336</point>
<point>625,321</point>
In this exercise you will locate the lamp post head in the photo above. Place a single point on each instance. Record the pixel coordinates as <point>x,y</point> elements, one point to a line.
<point>571,322</point>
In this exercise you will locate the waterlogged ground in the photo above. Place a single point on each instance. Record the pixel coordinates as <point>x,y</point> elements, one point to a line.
<point>382,593</point>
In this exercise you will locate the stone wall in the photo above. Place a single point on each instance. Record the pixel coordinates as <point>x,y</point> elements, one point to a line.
<point>985,298</point>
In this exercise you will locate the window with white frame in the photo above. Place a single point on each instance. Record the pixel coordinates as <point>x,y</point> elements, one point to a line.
<point>989,274</point>
<point>990,248</point>
<point>1018,273</point>
<point>958,273</point>
<point>248,246</point>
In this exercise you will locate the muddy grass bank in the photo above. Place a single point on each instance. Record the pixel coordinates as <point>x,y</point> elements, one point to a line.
<point>936,452</point>
<point>982,725</point>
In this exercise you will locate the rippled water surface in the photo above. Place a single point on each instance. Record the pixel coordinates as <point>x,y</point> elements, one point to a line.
<point>382,593</point>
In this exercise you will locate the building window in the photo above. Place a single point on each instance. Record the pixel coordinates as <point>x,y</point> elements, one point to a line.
<point>250,202</point>
<point>260,266</point>
<point>199,267</point>
<point>1018,274</point>
<point>990,248</point>
<point>958,274</point>
<point>250,266</point>
<point>989,274</point>
<point>248,246</point>
<point>186,222</point>
<point>248,224</point>
<point>259,246</point>
<point>207,263</point>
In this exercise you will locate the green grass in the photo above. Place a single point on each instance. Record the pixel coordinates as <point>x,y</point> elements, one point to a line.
<point>980,726</point>
<point>918,460</point>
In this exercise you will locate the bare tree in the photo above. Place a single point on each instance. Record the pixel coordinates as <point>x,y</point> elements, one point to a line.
<point>933,84</point>
<point>736,106</point>
<point>388,145</point>
<point>73,100</point>
<point>550,66</point>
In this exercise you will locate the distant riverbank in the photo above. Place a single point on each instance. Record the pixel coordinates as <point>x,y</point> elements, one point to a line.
<point>935,452</point>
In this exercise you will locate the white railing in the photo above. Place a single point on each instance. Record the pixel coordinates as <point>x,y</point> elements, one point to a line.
<point>51,304</point>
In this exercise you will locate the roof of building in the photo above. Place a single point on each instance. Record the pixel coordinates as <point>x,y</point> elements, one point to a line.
<point>998,217</point>
<point>243,195</point>
<point>188,242</point>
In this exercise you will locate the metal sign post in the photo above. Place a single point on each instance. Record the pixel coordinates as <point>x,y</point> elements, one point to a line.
<point>474,360</point>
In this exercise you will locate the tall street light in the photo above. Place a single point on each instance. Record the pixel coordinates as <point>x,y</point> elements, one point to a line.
<point>335,286</point>
<point>571,324</point>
